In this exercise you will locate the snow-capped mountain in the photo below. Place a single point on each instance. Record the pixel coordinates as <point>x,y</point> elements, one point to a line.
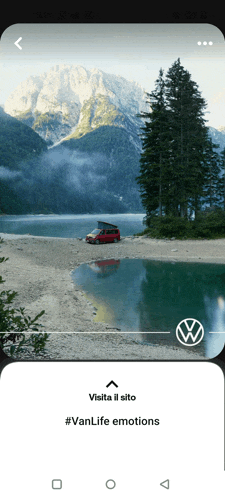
<point>70,100</point>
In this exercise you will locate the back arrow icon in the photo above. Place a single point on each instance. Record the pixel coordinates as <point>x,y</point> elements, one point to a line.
<point>165,484</point>
<point>17,43</point>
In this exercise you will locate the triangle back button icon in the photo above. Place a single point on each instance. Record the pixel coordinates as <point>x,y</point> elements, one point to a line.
<point>165,484</point>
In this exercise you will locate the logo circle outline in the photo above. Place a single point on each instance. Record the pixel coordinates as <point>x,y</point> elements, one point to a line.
<point>194,343</point>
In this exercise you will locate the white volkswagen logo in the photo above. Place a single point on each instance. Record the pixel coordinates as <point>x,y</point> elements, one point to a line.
<point>189,332</point>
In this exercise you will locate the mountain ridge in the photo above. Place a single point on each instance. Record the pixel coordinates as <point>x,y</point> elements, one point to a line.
<point>68,101</point>
<point>72,100</point>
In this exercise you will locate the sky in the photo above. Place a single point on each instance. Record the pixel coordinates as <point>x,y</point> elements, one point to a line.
<point>134,51</point>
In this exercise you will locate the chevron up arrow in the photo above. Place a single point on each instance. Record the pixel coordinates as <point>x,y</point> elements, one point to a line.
<point>111,382</point>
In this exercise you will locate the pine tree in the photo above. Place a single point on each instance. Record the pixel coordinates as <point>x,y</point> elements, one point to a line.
<point>211,189</point>
<point>188,140</point>
<point>221,180</point>
<point>153,178</point>
<point>174,166</point>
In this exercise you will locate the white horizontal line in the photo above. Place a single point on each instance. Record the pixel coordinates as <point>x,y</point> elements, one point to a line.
<point>217,332</point>
<point>100,332</point>
<point>111,332</point>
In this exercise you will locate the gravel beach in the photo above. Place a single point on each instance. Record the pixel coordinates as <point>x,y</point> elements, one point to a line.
<point>39,269</point>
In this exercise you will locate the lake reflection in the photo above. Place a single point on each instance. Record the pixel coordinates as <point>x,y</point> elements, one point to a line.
<point>153,296</point>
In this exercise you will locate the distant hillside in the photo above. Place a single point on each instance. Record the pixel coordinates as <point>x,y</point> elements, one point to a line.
<point>118,164</point>
<point>93,174</point>
<point>18,143</point>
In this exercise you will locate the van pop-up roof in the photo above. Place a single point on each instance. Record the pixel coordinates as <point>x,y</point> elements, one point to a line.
<point>103,224</point>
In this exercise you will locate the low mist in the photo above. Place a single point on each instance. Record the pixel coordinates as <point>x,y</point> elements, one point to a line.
<point>7,174</point>
<point>62,180</point>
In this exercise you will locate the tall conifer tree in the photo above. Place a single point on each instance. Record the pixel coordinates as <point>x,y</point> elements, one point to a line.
<point>178,167</point>
<point>153,178</point>
<point>188,139</point>
<point>211,188</point>
<point>221,180</point>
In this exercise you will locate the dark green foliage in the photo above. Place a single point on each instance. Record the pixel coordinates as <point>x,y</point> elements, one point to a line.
<point>209,225</point>
<point>212,171</point>
<point>180,172</point>
<point>10,203</point>
<point>18,142</point>
<point>155,171</point>
<point>167,226</point>
<point>221,181</point>
<point>172,173</point>
<point>188,140</point>
<point>14,323</point>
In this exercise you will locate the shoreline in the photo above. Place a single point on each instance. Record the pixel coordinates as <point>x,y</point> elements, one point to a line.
<point>39,269</point>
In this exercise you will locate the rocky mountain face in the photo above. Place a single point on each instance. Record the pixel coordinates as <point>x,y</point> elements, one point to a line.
<point>70,101</point>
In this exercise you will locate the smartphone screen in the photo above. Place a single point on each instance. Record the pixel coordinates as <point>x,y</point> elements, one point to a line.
<point>112,242</point>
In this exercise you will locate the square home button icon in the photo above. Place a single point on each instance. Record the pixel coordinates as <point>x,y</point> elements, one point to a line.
<point>56,484</point>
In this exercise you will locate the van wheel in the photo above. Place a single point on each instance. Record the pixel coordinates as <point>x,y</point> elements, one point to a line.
<point>97,241</point>
<point>115,240</point>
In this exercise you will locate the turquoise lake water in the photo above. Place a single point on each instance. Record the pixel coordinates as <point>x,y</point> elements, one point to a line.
<point>153,296</point>
<point>69,226</point>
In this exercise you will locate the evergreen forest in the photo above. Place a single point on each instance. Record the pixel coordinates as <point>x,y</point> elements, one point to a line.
<point>182,176</point>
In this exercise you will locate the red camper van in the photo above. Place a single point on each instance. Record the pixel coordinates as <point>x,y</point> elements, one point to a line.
<point>106,232</point>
